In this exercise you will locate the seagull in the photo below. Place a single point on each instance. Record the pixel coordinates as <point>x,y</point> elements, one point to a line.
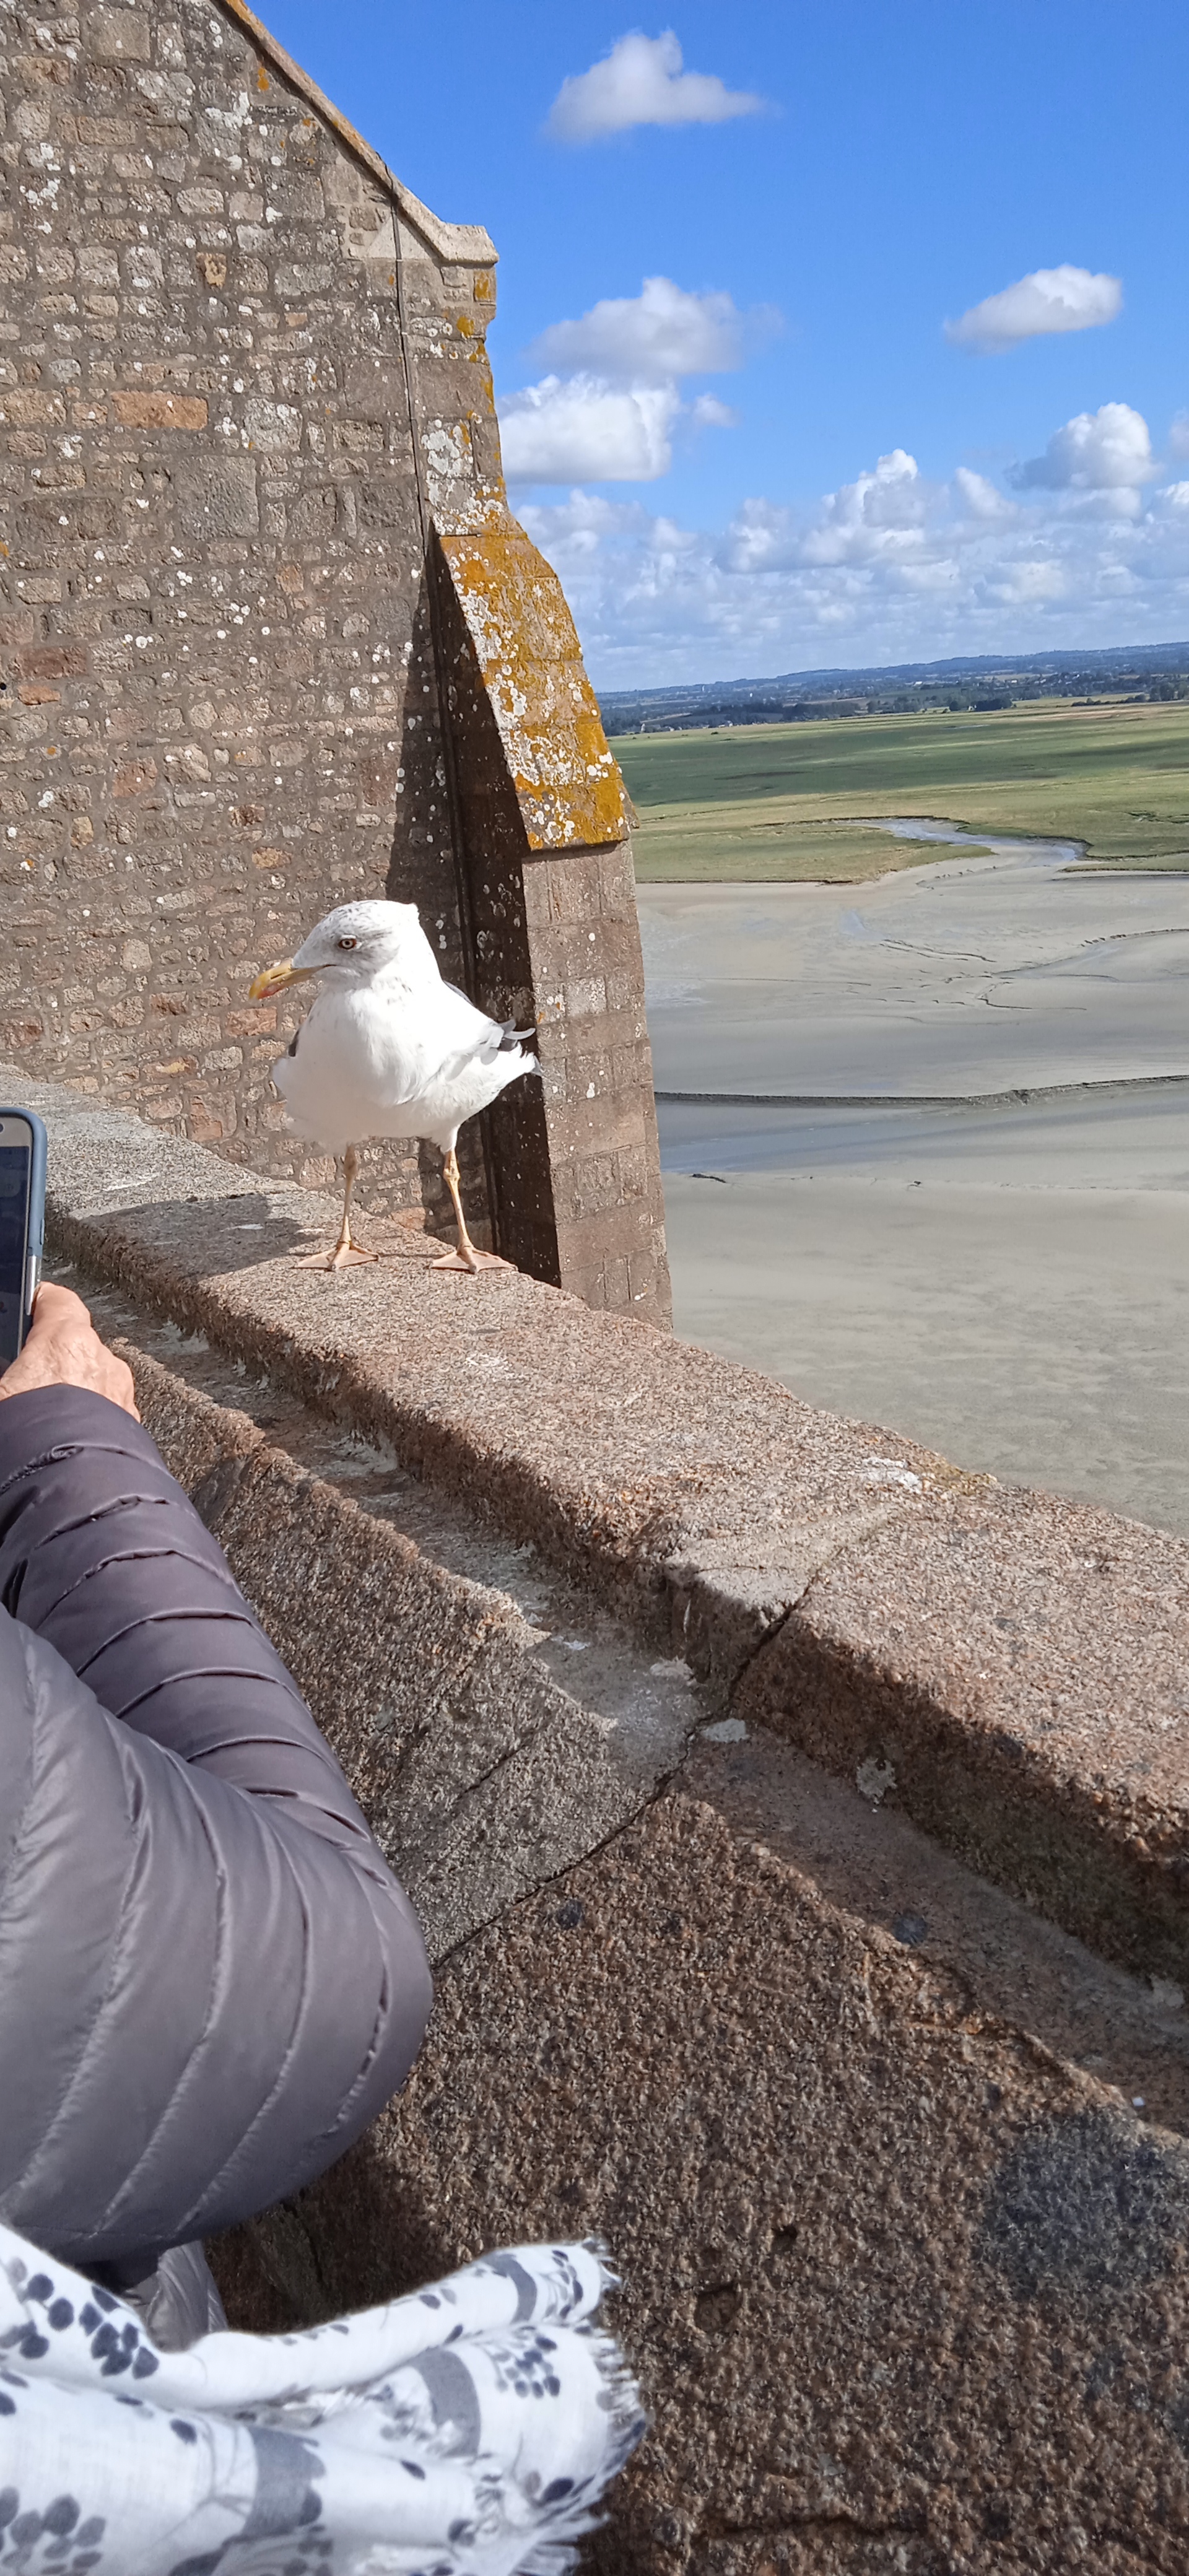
<point>388,1049</point>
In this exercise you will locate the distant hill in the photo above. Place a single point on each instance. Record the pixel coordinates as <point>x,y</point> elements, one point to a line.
<point>978,681</point>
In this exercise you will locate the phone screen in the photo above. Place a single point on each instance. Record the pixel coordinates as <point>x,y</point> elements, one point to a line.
<point>15,1165</point>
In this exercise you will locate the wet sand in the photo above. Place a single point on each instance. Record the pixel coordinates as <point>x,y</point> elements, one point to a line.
<point>973,976</point>
<point>1008,1282</point>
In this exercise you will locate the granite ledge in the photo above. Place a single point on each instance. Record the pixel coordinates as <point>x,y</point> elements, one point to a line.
<point>1009,1666</point>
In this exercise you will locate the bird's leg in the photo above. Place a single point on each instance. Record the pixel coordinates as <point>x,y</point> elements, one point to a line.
<point>468,1256</point>
<point>345,1253</point>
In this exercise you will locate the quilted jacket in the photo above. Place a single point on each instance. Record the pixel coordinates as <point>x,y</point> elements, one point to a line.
<point>209,1980</point>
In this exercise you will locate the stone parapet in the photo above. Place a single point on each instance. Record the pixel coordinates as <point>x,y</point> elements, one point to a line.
<point>799,1826</point>
<point>1006,1667</point>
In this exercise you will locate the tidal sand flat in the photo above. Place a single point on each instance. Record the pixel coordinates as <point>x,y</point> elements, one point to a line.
<point>1014,1291</point>
<point>1001,966</point>
<point>1005,1278</point>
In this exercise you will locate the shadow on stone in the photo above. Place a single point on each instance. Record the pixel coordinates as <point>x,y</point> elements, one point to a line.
<point>239,1232</point>
<point>349,2241</point>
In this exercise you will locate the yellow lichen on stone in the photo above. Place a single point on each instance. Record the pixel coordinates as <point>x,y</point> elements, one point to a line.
<point>567,783</point>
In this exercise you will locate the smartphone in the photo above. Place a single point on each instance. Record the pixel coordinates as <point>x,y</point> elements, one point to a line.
<point>22,1224</point>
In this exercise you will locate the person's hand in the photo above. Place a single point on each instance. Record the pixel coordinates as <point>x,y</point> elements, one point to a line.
<point>64,1349</point>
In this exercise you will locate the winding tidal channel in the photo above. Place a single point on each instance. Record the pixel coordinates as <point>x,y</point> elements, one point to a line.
<point>926,1153</point>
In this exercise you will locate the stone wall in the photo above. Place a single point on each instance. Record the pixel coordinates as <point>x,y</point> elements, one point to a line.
<point>252,503</point>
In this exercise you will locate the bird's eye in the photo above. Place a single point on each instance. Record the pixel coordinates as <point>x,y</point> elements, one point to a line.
<point>348,943</point>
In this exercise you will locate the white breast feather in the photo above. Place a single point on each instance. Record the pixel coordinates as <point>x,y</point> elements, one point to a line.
<point>390,1059</point>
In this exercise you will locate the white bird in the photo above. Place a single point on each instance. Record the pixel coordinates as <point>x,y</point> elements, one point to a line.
<point>388,1049</point>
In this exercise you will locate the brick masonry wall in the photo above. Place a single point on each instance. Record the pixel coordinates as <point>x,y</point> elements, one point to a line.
<point>219,643</point>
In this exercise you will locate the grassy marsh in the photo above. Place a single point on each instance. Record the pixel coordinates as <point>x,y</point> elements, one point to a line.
<point>763,802</point>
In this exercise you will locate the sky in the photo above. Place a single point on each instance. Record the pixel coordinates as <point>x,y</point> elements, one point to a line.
<point>828,335</point>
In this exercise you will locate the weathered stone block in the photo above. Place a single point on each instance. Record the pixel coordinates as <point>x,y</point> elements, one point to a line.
<point>118,35</point>
<point>159,411</point>
<point>24,406</point>
<point>217,498</point>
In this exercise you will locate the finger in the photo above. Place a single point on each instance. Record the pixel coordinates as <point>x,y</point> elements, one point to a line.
<point>55,1306</point>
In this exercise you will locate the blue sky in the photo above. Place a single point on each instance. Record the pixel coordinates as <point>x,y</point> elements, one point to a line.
<point>703,466</point>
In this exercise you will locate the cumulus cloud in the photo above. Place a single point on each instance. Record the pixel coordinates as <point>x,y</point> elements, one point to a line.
<point>879,513</point>
<point>984,500</point>
<point>889,567</point>
<point>662,332</point>
<point>578,430</point>
<point>1031,582</point>
<point>1048,299</point>
<point>710,413</point>
<point>762,537</point>
<point>1178,436</point>
<point>1108,450</point>
<point>612,419</point>
<point>642,82</point>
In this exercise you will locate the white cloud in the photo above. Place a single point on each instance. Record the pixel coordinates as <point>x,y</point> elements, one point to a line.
<point>710,413</point>
<point>1031,582</point>
<point>1108,450</point>
<point>984,500</point>
<point>888,568</point>
<point>641,82</point>
<point>1048,299</point>
<point>762,537</point>
<point>880,513</point>
<point>1178,436</point>
<point>578,430</point>
<point>612,420</point>
<point>651,337</point>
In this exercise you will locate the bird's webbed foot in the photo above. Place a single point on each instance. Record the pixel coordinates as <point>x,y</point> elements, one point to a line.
<point>345,1256</point>
<point>472,1260</point>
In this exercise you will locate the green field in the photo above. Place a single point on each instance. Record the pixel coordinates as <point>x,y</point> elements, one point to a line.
<point>766,801</point>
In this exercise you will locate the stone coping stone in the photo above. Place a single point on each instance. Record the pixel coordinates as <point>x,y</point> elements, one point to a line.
<point>479,1775</point>
<point>491,1750</point>
<point>1008,1667</point>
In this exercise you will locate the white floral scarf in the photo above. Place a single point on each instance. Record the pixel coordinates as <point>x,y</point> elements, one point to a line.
<point>468,2430</point>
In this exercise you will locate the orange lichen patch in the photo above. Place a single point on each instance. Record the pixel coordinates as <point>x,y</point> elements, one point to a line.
<point>262,79</point>
<point>567,783</point>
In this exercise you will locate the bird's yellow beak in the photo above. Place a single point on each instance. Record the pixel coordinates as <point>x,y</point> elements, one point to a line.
<point>273,979</point>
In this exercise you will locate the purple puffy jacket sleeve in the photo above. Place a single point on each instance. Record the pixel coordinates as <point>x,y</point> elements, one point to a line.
<point>209,1980</point>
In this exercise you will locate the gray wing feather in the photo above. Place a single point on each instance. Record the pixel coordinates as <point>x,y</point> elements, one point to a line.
<point>509,1035</point>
